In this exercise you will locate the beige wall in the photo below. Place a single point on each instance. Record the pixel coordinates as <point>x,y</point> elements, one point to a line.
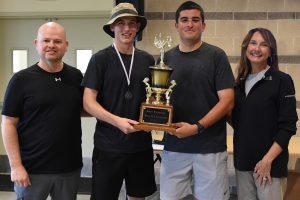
<point>226,5</point>
<point>25,7</point>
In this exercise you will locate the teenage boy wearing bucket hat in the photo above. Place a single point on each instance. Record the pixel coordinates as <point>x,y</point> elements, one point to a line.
<point>113,94</point>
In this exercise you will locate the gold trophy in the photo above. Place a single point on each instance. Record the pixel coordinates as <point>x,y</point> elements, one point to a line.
<point>156,113</point>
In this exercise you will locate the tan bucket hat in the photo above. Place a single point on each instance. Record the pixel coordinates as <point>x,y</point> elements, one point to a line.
<point>124,10</point>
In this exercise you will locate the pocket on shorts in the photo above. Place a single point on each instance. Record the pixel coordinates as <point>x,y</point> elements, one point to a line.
<point>169,155</point>
<point>224,157</point>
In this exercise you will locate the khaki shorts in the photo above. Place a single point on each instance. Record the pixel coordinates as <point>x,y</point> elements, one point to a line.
<point>203,175</point>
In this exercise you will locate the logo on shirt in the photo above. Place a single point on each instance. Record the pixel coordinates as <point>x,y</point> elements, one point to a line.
<point>57,79</point>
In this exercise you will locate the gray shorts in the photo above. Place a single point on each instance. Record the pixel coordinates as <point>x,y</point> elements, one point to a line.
<point>58,186</point>
<point>203,175</point>
<point>248,187</point>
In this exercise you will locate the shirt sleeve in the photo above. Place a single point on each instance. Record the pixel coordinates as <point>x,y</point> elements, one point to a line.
<point>94,75</point>
<point>13,99</point>
<point>287,114</point>
<point>224,77</point>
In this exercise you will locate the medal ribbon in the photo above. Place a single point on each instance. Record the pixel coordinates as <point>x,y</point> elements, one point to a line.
<point>131,63</point>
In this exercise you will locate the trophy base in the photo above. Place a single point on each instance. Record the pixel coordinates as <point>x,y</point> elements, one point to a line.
<point>156,117</point>
<point>150,127</point>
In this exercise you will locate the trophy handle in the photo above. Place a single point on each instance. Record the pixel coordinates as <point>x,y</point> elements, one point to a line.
<point>148,89</point>
<point>169,91</point>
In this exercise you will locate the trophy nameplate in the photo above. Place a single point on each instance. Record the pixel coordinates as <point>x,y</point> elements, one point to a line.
<point>156,117</point>
<point>156,113</point>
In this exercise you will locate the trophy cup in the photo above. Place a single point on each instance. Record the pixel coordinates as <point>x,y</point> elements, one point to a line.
<point>156,113</point>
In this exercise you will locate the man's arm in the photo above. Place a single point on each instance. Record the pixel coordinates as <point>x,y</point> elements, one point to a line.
<point>19,174</point>
<point>91,105</point>
<point>221,109</point>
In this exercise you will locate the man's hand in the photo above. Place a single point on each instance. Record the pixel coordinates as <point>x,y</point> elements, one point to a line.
<point>126,125</point>
<point>20,176</point>
<point>184,129</point>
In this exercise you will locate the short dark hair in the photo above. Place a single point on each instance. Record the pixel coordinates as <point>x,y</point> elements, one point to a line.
<point>189,5</point>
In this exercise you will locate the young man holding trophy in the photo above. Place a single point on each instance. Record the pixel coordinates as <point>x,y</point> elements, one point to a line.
<point>114,91</point>
<point>195,154</point>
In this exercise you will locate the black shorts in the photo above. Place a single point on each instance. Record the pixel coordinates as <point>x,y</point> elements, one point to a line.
<point>110,169</point>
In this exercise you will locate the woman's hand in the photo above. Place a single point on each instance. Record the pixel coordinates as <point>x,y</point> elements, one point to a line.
<point>262,172</point>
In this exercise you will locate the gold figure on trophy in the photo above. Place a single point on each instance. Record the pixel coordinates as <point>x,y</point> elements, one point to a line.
<point>156,113</point>
<point>161,43</point>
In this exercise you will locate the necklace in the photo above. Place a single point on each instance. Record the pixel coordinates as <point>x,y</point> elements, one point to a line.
<point>128,94</point>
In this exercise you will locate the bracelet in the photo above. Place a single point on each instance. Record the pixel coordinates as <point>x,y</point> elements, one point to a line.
<point>200,128</point>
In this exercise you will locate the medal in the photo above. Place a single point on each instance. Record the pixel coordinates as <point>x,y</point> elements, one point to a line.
<point>128,95</point>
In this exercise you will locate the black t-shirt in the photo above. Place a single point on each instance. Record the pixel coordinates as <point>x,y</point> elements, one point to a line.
<point>48,106</point>
<point>199,75</point>
<point>106,75</point>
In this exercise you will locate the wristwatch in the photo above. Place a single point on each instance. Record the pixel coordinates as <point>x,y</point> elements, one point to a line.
<point>200,128</point>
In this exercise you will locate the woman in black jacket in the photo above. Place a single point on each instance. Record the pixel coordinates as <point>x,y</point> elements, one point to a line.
<point>264,119</point>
